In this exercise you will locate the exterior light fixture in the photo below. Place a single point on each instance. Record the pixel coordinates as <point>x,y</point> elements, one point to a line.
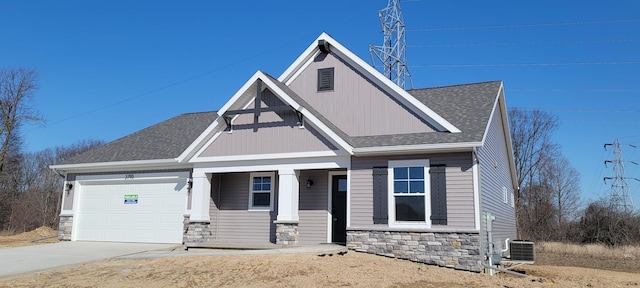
<point>309,183</point>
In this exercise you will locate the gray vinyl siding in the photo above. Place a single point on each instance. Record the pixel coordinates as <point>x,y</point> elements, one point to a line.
<point>276,132</point>
<point>233,220</point>
<point>459,181</point>
<point>495,174</point>
<point>313,207</point>
<point>355,106</point>
<point>213,204</point>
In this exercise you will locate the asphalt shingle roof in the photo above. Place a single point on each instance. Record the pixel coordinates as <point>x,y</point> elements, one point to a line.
<point>165,140</point>
<point>467,106</point>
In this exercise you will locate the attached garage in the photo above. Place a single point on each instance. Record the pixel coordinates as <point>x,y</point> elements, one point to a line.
<point>143,207</point>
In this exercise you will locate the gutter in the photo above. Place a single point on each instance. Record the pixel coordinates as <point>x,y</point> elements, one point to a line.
<point>114,165</point>
<point>411,149</point>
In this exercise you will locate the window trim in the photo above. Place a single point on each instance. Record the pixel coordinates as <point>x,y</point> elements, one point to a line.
<point>425,163</point>
<point>271,192</point>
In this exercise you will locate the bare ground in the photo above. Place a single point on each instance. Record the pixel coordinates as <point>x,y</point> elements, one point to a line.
<point>306,270</point>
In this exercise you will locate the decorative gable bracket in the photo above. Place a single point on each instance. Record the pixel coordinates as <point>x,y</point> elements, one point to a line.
<point>257,109</point>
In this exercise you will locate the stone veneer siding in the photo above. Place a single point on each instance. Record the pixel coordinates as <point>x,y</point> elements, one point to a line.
<point>459,250</point>
<point>196,231</point>
<point>64,227</point>
<point>287,233</point>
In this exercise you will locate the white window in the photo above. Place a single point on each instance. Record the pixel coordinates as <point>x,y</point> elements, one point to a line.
<point>505,195</point>
<point>513,200</point>
<point>261,191</point>
<point>409,195</point>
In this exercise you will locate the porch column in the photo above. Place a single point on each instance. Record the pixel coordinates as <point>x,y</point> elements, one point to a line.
<point>200,194</point>
<point>288,195</point>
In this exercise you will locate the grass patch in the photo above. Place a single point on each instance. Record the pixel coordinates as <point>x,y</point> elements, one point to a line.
<point>592,250</point>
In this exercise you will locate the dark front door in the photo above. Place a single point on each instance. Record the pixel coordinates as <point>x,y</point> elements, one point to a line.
<point>339,208</point>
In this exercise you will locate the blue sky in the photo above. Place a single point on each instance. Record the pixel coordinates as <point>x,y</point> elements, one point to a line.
<point>110,68</point>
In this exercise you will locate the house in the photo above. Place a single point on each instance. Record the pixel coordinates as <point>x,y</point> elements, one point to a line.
<point>331,151</point>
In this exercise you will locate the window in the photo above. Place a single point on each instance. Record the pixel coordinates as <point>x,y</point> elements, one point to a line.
<point>261,191</point>
<point>325,79</point>
<point>505,195</point>
<point>408,191</point>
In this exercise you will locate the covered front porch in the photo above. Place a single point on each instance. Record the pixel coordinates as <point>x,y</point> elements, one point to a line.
<point>271,204</point>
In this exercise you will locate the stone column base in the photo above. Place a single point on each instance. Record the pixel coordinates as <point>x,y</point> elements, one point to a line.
<point>64,227</point>
<point>196,231</point>
<point>287,233</point>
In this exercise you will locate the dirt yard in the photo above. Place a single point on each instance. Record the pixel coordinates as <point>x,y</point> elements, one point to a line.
<point>34,237</point>
<point>305,270</point>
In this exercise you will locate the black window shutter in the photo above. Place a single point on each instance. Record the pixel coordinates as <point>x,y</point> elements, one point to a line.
<point>380,196</point>
<point>438,195</point>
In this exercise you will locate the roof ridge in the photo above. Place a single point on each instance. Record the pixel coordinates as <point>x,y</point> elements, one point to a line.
<point>455,85</point>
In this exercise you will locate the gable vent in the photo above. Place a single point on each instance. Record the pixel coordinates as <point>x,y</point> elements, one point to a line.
<point>325,79</point>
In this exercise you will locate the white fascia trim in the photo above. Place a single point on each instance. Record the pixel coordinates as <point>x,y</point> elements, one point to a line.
<point>156,164</point>
<point>195,145</point>
<point>500,103</point>
<point>493,113</point>
<point>259,75</point>
<point>272,156</point>
<point>240,92</point>
<point>206,145</point>
<point>403,149</point>
<point>362,67</point>
<point>302,61</point>
<point>335,162</point>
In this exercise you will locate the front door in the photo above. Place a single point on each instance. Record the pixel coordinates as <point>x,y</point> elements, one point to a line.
<point>339,209</point>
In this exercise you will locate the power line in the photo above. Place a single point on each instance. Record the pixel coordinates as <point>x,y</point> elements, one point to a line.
<point>527,64</point>
<point>579,90</point>
<point>526,25</point>
<point>530,43</point>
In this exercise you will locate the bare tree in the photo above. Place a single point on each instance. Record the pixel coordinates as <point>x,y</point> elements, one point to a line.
<point>563,181</point>
<point>36,201</point>
<point>531,132</point>
<point>17,88</point>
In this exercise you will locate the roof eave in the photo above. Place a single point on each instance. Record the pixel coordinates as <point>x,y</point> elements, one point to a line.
<point>154,164</point>
<point>412,149</point>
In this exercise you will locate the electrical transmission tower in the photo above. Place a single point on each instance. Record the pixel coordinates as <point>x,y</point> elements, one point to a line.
<point>619,189</point>
<point>392,52</point>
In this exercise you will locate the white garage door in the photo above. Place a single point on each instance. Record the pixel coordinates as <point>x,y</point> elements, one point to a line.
<point>148,211</point>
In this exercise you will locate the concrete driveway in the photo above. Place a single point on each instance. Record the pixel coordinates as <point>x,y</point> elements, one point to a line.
<point>29,259</point>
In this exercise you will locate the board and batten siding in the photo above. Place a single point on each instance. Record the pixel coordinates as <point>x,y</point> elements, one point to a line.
<point>231,220</point>
<point>313,205</point>
<point>494,177</point>
<point>275,132</point>
<point>459,181</point>
<point>356,105</point>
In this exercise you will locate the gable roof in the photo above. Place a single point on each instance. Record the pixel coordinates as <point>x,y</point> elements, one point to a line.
<point>460,112</point>
<point>246,95</point>
<point>398,93</point>
<point>165,140</point>
<point>467,106</point>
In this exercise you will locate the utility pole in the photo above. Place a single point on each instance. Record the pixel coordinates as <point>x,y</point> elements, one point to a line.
<point>619,197</point>
<point>392,52</point>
